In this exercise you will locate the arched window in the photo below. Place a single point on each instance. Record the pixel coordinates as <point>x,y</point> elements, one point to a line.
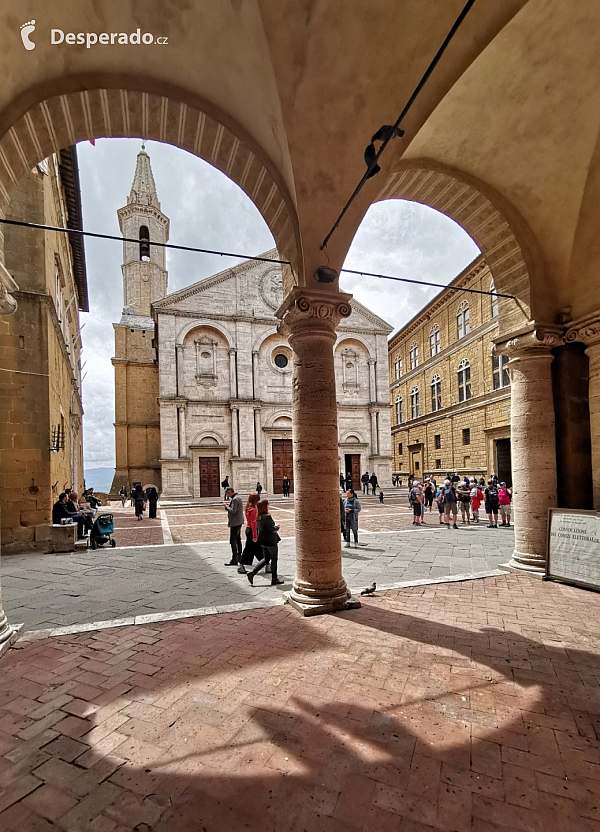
<point>398,368</point>
<point>435,340</point>
<point>399,414</point>
<point>463,323</point>
<point>414,402</point>
<point>464,381</point>
<point>500,371</point>
<point>494,300</point>
<point>144,243</point>
<point>414,356</point>
<point>436,393</point>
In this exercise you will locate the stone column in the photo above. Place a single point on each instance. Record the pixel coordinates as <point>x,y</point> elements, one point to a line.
<point>533,444</point>
<point>183,449</point>
<point>257,432</point>
<point>8,305</point>
<point>310,317</point>
<point>255,388</point>
<point>374,443</point>
<point>235,443</point>
<point>179,370</point>
<point>588,331</point>
<point>372,382</point>
<point>232,374</point>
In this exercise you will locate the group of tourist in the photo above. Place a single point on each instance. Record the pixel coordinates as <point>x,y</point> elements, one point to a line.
<point>71,508</point>
<point>469,493</point>
<point>261,536</point>
<point>140,498</point>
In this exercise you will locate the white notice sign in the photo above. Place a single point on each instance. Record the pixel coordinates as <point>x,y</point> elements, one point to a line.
<point>574,546</point>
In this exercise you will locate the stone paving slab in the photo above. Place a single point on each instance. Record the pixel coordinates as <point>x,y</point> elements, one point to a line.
<point>464,706</point>
<point>49,591</point>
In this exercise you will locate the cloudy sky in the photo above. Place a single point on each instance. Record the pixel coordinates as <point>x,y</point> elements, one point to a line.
<point>207,210</point>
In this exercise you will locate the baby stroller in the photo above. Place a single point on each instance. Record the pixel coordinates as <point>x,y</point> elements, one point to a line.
<point>102,531</point>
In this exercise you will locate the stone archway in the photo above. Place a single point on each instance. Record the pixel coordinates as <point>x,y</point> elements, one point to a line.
<point>126,112</point>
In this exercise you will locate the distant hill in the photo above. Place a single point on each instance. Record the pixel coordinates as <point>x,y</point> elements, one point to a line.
<point>100,479</point>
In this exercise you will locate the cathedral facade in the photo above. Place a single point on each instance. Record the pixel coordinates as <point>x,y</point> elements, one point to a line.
<point>206,377</point>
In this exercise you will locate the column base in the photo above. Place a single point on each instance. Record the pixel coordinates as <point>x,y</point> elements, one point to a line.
<point>522,562</point>
<point>350,603</point>
<point>8,635</point>
<point>318,600</point>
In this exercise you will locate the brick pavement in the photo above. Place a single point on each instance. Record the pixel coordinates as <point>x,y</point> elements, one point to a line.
<point>472,706</point>
<point>47,591</point>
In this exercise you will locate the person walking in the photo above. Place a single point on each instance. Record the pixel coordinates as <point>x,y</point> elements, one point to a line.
<point>342,482</point>
<point>450,507</point>
<point>123,495</point>
<point>492,503</point>
<point>348,481</point>
<point>416,502</point>
<point>374,483</point>
<point>225,485</point>
<point>235,520</point>
<point>351,510</point>
<point>139,501</point>
<point>380,495</point>
<point>252,548</point>
<point>504,499</point>
<point>286,486</point>
<point>269,540</point>
<point>152,495</point>
<point>365,483</point>
<point>259,489</point>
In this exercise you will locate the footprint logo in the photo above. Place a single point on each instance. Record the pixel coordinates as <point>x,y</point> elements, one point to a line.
<point>26,30</point>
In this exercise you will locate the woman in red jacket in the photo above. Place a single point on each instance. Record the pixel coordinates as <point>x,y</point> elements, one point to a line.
<point>252,548</point>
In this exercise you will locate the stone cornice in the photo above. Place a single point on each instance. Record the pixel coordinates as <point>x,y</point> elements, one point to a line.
<point>586,330</point>
<point>454,409</point>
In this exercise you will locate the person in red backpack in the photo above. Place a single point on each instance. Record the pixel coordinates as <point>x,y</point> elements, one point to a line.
<point>476,499</point>
<point>504,498</point>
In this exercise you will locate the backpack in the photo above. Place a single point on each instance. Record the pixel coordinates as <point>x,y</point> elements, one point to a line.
<point>224,484</point>
<point>414,496</point>
<point>449,494</point>
<point>491,494</point>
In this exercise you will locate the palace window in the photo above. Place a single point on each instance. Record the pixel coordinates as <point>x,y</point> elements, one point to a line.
<point>399,448</point>
<point>494,300</point>
<point>438,441</point>
<point>463,322</point>
<point>414,356</point>
<point>144,243</point>
<point>466,436</point>
<point>399,414</point>
<point>398,368</point>
<point>464,381</point>
<point>435,340</point>
<point>438,463</point>
<point>414,402</point>
<point>500,371</point>
<point>436,393</point>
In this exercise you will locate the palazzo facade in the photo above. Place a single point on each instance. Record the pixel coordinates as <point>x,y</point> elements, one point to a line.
<point>449,390</point>
<point>204,376</point>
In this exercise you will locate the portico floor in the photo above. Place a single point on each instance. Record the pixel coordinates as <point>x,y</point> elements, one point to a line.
<point>462,706</point>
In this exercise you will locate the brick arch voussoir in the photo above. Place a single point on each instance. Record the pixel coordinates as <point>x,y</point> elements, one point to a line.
<point>66,119</point>
<point>475,212</point>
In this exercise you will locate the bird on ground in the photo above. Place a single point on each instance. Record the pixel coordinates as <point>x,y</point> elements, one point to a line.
<point>370,589</point>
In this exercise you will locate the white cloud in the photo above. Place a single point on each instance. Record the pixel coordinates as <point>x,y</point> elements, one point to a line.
<point>207,210</point>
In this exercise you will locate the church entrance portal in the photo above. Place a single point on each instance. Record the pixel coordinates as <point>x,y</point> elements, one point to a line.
<point>353,467</point>
<point>209,476</point>
<point>283,464</point>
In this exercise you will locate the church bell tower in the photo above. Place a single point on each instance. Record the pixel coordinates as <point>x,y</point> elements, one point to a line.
<point>137,421</point>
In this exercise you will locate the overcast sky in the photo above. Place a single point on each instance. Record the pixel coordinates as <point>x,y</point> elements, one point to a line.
<point>207,210</point>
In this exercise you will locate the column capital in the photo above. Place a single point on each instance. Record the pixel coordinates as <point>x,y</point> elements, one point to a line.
<point>371,361</point>
<point>313,309</point>
<point>232,350</point>
<point>586,330</point>
<point>533,342</point>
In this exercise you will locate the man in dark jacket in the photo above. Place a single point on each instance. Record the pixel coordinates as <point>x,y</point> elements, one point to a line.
<point>235,521</point>
<point>60,512</point>
<point>373,481</point>
<point>365,482</point>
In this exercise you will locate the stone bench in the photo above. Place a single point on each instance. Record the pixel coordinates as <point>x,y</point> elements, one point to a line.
<point>63,538</point>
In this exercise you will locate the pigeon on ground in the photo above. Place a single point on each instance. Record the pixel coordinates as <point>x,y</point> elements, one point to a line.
<point>370,589</point>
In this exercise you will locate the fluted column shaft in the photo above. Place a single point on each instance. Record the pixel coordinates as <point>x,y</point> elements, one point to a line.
<point>310,318</point>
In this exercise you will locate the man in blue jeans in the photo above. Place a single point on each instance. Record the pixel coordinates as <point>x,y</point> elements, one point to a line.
<point>60,512</point>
